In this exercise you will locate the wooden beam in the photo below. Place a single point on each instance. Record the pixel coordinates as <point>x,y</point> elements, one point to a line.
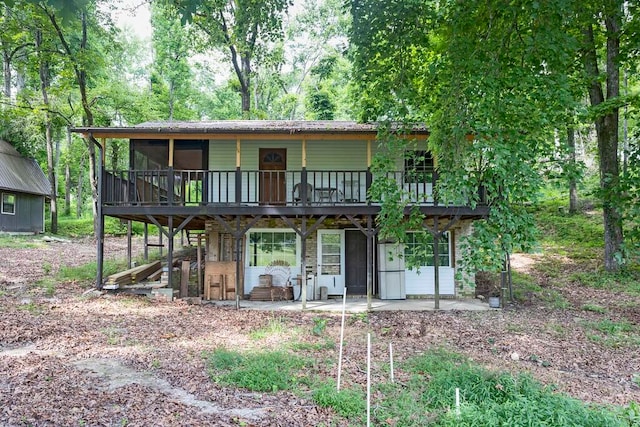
<point>368,153</point>
<point>304,153</point>
<point>171,148</point>
<point>333,136</point>
<point>238,157</point>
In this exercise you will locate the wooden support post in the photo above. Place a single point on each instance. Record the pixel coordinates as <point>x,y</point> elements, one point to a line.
<point>171,148</point>
<point>436,263</point>
<point>369,235</point>
<point>100,231</point>
<point>170,251</point>
<point>239,235</point>
<point>146,242</point>
<point>199,257</point>
<point>303,262</point>
<point>304,153</point>
<point>129,243</point>
<point>184,278</point>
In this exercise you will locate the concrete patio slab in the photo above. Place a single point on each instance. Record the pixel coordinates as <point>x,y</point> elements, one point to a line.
<point>359,305</point>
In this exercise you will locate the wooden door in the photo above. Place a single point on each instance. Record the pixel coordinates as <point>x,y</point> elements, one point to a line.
<point>356,262</point>
<point>273,186</point>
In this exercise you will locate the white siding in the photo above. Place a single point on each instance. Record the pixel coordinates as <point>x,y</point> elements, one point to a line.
<point>424,284</point>
<point>330,156</point>
<point>222,157</point>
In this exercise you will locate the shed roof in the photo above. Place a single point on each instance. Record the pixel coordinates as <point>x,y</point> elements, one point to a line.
<point>204,129</point>
<point>20,174</point>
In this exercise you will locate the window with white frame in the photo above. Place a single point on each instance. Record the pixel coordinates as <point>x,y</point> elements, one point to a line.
<point>8,204</point>
<point>418,249</point>
<point>268,246</point>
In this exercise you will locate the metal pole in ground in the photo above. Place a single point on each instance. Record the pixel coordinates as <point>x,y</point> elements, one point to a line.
<point>344,307</point>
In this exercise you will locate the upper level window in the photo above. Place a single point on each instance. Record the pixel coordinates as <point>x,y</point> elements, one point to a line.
<point>418,166</point>
<point>8,204</point>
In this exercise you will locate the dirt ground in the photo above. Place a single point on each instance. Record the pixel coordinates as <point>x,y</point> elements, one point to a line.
<point>74,359</point>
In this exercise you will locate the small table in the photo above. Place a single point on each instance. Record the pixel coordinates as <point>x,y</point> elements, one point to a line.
<point>326,194</point>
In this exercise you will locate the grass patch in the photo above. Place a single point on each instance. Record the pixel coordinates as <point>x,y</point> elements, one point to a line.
<point>595,308</point>
<point>348,402</point>
<point>20,242</point>
<point>613,334</point>
<point>578,235</point>
<point>487,398</point>
<point>526,289</point>
<point>31,307</point>
<point>327,344</point>
<point>276,326</point>
<point>258,371</point>
<point>87,272</point>
<point>627,280</point>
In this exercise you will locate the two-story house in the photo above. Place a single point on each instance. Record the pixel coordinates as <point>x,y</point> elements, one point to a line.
<point>282,196</point>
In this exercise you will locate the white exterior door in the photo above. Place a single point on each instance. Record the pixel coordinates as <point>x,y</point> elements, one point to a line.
<point>331,261</point>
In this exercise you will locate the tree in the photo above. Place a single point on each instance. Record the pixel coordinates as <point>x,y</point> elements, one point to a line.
<point>606,16</point>
<point>504,74</point>
<point>244,27</point>
<point>172,47</point>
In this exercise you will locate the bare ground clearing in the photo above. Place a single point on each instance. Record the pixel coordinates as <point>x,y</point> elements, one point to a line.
<point>113,360</point>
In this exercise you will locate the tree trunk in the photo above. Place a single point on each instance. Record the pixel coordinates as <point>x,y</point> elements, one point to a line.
<point>77,61</point>
<point>245,86</point>
<point>6,67</point>
<point>79,197</point>
<point>51,166</point>
<point>607,136</point>
<point>573,191</point>
<point>67,177</point>
<point>171,99</point>
<point>6,61</point>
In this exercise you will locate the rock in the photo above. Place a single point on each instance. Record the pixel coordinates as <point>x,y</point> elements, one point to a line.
<point>515,356</point>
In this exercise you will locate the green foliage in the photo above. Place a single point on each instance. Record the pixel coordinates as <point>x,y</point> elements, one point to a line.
<point>319,325</point>
<point>614,334</point>
<point>26,242</point>
<point>595,308</point>
<point>487,398</point>
<point>260,371</point>
<point>348,402</point>
<point>82,227</point>
<point>327,344</point>
<point>276,326</point>
<point>493,96</point>
<point>87,272</point>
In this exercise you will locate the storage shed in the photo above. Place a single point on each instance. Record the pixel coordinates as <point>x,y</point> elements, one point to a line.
<point>23,190</point>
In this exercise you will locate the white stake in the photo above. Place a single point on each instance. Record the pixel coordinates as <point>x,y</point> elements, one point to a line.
<point>368,379</point>
<point>391,360</point>
<point>457,401</point>
<point>344,307</point>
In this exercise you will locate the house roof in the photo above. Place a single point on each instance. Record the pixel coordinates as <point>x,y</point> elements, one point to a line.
<point>228,128</point>
<point>20,174</point>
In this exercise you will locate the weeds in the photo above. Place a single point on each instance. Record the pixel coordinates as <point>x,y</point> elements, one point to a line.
<point>319,325</point>
<point>349,402</point>
<point>260,371</point>
<point>595,308</point>
<point>488,398</point>
<point>276,326</point>
<point>613,334</point>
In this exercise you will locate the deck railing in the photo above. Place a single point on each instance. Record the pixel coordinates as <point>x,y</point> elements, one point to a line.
<point>253,187</point>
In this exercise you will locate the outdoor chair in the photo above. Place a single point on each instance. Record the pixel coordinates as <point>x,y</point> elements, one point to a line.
<point>297,193</point>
